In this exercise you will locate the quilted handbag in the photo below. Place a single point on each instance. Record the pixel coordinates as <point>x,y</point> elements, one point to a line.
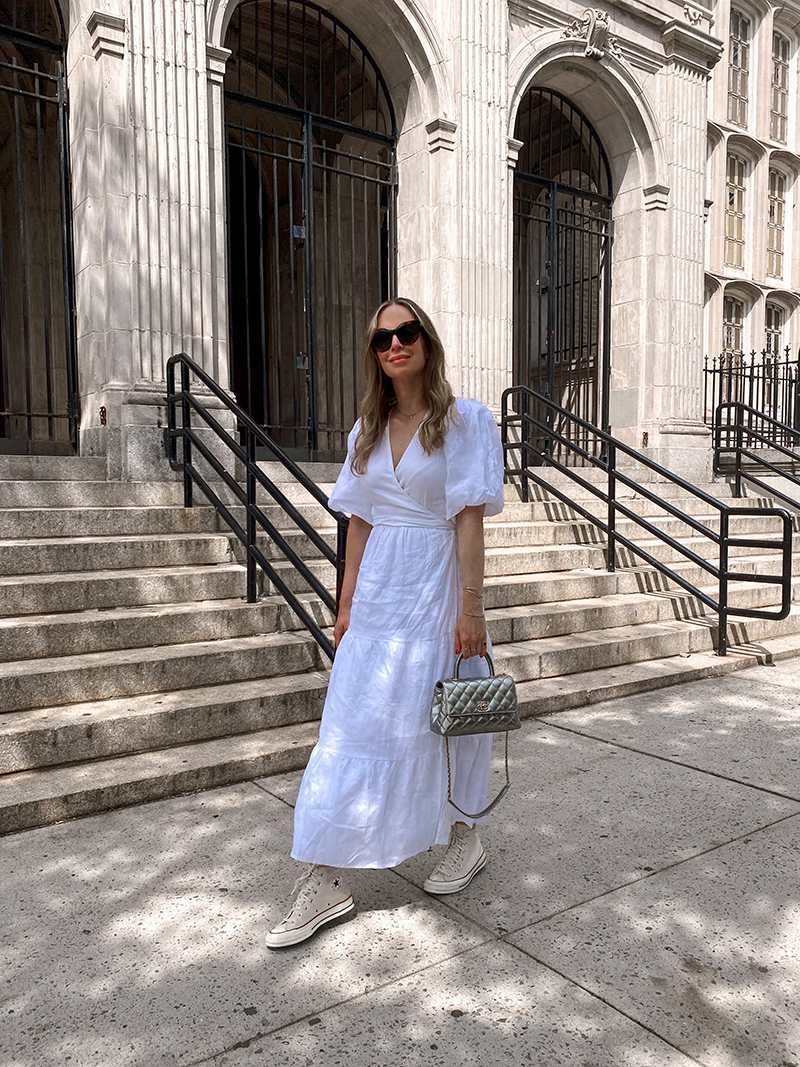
<point>475,706</point>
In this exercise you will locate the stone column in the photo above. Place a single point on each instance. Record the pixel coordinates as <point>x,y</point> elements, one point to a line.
<point>478,325</point>
<point>674,424</point>
<point>145,232</point>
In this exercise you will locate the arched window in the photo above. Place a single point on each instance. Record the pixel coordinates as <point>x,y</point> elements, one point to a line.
<point>38,409</point>
<point>562,215</point>
<point>311,218</point>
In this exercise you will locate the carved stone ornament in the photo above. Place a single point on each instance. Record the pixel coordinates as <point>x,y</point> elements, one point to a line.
<point>692,15</point>
<point>595,29</point>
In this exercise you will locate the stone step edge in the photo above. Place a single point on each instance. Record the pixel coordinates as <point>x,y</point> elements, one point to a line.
<point>34,799</point>
<point>40,798</point>
<point>224,710</point>
<point>549,696</point>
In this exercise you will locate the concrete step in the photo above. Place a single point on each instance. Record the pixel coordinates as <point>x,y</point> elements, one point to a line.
<point>60,555</point>
<point>546,588</point>
<point>41,594</point>
<point>75,633</point>
<point>26,523</point>
<point>92,730</point>
<point>52,468</point>
<point>103,675</point>
<point>551,657</point>
<point>41,797</point>
<point>89,494</point>
<point>548,696</point>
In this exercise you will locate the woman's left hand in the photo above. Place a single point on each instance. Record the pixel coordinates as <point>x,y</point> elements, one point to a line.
<point>471,635</point>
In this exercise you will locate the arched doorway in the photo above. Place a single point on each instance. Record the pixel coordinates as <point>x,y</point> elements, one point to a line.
<point>311,218</point>
<point>562,226</point>
<point>38,382</point>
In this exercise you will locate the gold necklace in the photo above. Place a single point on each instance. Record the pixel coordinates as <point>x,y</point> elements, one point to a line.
<point>411,416</point>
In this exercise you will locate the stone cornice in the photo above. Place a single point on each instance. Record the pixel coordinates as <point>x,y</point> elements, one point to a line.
<point>688,45</point>
<point>441,134</point>
<point>107,34</point>
<point>217,59</point>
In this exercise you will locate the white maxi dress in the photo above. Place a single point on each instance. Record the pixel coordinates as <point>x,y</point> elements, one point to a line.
<point>375,789</point>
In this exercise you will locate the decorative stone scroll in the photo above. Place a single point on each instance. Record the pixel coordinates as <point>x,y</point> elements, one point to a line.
<point>595,29</point>
<point>692,15</point>
<point>107,34</point>
<point>441,134</point>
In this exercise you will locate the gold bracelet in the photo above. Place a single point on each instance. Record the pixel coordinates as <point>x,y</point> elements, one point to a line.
<point>473,590</point>
<point>472,615</point>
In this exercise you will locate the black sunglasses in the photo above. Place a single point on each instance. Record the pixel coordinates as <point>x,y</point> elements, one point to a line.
<point>406,332</point>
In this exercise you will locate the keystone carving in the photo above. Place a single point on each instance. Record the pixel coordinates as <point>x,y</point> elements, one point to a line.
<point>692,15</point>
<point>595,29</point>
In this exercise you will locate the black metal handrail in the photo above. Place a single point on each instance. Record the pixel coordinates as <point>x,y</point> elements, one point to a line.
<point>246,495</point>
<point>734,436</point>
<point>530,425</point>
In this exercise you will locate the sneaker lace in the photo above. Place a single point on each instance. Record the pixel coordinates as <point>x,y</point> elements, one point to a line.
<point>303,888</point>
<point>454,855</point>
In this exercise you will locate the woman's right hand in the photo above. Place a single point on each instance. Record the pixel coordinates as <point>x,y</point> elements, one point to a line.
<point>342,624</point>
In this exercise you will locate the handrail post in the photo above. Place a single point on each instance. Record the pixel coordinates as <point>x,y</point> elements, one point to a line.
<point>738,442</point>
<point>172,442</point>
<point>524,429</point>
<point>251,518</point>
<point>722,644</point>
<point>611,460</point>
<point>341,556</point>
<point>186,420</point>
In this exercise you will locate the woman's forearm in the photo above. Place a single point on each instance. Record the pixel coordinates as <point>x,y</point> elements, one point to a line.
<point>357,536</point>
<point>471,556</point>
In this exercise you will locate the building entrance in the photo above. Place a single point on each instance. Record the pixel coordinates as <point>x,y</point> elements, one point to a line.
<point>562,252</point>
<point>311,187</point>
<point>38,380</point>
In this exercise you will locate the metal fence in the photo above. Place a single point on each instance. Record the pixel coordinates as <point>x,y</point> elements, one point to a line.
<point>768,382</point>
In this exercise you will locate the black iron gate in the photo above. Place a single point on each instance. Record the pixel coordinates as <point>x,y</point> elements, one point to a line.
<point>311,182</point>
<point>38,378</point>
<point>562,250</point>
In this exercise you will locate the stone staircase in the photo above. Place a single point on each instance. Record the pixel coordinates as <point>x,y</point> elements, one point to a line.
<point>132,668</point>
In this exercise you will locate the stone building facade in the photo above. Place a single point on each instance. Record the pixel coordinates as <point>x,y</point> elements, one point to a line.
<point>247,178</point>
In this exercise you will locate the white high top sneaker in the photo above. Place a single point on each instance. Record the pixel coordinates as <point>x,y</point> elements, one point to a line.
<point>461,862</point>
<point>321,896</point>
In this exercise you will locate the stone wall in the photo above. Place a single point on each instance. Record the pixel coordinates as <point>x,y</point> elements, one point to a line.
<point>147,129</point>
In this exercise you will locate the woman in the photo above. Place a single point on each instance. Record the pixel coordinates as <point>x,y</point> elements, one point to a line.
<point>421,472</point>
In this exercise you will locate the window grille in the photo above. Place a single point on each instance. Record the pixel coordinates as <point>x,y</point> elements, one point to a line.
<point>735,212</point>
<point>738,68</point>
<point>776,224</point>
<point>779,113</point>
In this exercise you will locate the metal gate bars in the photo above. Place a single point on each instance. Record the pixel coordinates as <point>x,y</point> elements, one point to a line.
<point>562,247</point>
<point>311,183</point>
<point>38,378</point>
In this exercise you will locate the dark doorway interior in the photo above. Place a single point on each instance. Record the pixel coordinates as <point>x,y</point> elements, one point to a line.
<point>311,218</point>
<point>562,251</point>
<point>38,384</point>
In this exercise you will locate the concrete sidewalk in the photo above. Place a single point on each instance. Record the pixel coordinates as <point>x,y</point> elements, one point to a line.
<point>640,908</point>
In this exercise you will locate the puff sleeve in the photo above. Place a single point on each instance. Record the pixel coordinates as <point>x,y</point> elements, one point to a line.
<point>350,492</point>
<point>474,461</point>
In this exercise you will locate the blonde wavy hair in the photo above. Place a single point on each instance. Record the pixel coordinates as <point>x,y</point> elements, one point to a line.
<point>379,398</point>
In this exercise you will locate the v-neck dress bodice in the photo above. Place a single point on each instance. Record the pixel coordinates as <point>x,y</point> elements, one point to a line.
<point>374,792</point>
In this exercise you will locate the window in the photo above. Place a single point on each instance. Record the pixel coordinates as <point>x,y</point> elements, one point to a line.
<point>738,68</point>
<point>773,319</point>
<point>779,113</point>
<point>776,224</point>
<point>733,329</point>
<point>734,212</point>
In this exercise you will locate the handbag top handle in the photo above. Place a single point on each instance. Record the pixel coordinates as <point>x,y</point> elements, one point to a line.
<point>485,656</point>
